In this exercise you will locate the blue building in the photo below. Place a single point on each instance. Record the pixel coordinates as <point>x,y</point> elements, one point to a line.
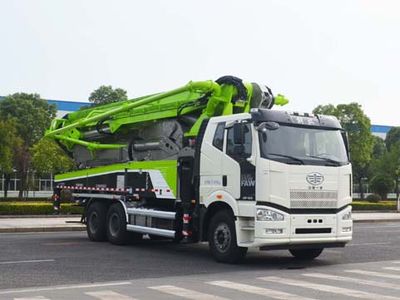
<point>380,130</point>
<point>43,186</point>
<point>64,107</point>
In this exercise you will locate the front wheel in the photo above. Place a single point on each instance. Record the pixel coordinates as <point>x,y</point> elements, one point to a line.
<point>222,238</point>
<point>306,254</point>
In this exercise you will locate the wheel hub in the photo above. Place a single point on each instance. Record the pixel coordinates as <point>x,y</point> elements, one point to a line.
<point>93,222</point>
<point>222,237</point>
<point>114,224</point>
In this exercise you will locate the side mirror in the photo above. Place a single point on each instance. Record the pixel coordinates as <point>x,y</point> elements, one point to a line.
<point>267,125</point>
<point>238,134</point>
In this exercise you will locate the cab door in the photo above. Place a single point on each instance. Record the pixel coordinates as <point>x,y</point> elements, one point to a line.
<point>211,178</point>
<point>238,172</point>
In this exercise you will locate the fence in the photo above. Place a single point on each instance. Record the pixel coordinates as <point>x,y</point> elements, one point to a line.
<point>39,187</point>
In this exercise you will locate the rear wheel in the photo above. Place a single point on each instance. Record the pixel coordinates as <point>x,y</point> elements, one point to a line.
<point>96,222</point>
<point>116,225</point>
<point>306,254</point>
<point>222,238</point>
<point>117,232</point>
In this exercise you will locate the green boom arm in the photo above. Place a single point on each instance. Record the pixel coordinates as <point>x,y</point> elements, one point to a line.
<point>211,98</point>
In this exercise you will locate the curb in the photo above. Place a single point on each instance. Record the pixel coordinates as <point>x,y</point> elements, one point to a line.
<point>42,229</point>
<point>39,216</point>
<point>376,220</point>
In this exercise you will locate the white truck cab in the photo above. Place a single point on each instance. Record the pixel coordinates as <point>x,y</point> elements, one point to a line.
<point>286,178</point>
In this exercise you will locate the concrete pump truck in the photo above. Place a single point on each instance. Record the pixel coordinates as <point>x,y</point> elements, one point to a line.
<point>209,161</point>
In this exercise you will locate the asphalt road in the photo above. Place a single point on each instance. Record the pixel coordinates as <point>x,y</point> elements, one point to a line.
<point>49,259</point>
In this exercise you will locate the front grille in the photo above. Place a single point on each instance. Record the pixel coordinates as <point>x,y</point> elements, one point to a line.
<point>313,194</point>
<point>313,199</point>
<point>313,204</point>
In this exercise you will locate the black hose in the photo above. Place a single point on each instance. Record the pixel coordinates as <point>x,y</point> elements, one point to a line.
<point>100,129</point>
<point>237,83</point>
<point>198,103</point>
<point>130,149</point>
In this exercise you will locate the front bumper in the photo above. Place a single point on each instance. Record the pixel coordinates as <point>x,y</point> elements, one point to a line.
<point>301,230</point>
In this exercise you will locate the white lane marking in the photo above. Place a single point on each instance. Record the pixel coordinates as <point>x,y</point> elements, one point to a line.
<point>327,288</point>
<point>25,261</point>
<point>379,226</point>
<point>333,251</point>
<point>108,295</point>
<point>392,268</point>
<point>33,298</point>
<point>64,287</point>
<point>386,285</point>
<point>257,290</point>
<point>369,244</point>
<point>372,273</point>
<point>185,293</point>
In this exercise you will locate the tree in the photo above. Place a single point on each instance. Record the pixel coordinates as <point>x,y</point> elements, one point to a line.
<point>9,142</point>
<point>32,116</point>
<point>31,113</point>
<point>106,94</point>
<point>388,165</point>
<point>379,148</point>
<point>358,126</point>
<point>379,153</point>
<point>392,137</point>
<point>382,184</point>
<point>48,158</point>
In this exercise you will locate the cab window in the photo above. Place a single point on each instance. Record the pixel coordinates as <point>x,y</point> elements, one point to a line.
<point>239,150</point>
<point>218,141</point>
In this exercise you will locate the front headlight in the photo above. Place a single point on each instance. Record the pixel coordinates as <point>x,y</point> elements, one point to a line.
<point>347,216</point>
<point>268,215</point>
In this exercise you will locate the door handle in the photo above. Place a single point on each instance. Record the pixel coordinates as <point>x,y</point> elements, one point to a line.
<point>224,180</point>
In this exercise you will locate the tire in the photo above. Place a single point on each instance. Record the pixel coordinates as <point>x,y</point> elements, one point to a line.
<point>222,239</point>
<point>96,222</point>
<point>306,254</point>
<point>116,225</point>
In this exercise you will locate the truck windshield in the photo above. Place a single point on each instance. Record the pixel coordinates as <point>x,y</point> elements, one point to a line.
<point>304,145</point>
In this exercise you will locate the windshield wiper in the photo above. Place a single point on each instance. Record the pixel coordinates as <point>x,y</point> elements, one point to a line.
<point>288,156</point>
<point>335,162</point>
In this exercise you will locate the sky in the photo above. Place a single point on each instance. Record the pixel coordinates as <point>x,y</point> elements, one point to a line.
<point>313,52</point>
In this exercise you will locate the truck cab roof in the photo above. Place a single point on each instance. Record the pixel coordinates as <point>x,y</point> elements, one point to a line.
<point>259,115</point>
